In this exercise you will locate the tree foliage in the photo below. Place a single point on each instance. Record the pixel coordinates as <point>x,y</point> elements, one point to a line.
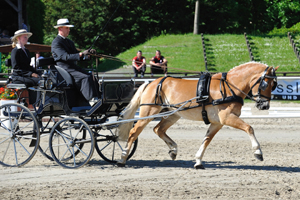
<point>134,22</point>
<point>36,13</point>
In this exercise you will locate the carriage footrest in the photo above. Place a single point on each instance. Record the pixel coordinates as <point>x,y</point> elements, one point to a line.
<point>95,107</point>
<point>81,109</point>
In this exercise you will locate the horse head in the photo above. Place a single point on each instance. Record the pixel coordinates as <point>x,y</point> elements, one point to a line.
<point>263,86</point>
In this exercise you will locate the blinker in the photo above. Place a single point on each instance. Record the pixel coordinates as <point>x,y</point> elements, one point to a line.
<point>263,85</point>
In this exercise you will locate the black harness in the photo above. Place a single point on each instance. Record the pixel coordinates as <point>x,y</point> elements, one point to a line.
<point>202,94</point>
<point>224,99</point>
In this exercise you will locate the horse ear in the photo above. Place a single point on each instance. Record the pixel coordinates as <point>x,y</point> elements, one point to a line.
<point>276,68</point>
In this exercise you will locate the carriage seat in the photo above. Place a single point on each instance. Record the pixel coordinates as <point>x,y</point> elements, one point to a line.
<point>64,81</point>
<point>80,104</point>
<point>65,75</point>
<point>62,75</point>
<point>9,80</point>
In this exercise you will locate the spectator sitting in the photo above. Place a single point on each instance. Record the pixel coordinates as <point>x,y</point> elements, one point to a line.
<point>158,64</point>
<point>139,64</point>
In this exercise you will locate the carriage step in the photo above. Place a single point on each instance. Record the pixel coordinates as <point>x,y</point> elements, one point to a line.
<point>16,86</point>
<point>94,108</point>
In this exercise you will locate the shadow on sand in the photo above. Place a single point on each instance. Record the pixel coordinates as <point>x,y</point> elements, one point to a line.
<point>137,164</point>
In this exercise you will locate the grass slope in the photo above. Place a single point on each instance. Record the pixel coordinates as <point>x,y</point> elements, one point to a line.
<point>223,52</point>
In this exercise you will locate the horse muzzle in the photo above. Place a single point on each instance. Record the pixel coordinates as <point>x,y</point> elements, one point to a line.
<point>262,104</point>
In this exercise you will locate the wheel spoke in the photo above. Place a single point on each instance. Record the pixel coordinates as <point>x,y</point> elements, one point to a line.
<point>19,137</point>
<point>4,126</point>
<point>106,145</point>
<point>22,146</point>
<point>80,150</point>
<point>68,149</point>
<point>6,151</point>
<point>5,139</point>
<point>77,145</point>
<point>74,160</point>
<point>16,156</point>
<point>119,145</point>
<point>113,151</point>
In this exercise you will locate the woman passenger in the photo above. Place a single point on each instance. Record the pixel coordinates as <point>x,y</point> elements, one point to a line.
<point>20,60</point>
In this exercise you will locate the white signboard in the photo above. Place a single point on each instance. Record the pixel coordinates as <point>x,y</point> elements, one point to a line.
<point>288,88</point>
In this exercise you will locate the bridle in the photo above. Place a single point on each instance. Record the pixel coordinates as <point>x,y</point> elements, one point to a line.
<point>263,85</point>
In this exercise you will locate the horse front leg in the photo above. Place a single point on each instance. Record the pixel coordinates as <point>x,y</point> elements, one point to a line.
<point>211,132</point>
<point>235,122</point>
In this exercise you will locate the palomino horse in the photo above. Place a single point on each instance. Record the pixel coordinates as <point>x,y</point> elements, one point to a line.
<point>254,76</point>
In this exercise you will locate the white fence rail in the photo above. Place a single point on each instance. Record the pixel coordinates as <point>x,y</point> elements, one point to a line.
<point>273,112</point>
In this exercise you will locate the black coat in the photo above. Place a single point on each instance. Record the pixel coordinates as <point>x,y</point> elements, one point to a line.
<point>65,53</point>
<point>66,56</point>
<point>22,70</point>
<point>21,63</point>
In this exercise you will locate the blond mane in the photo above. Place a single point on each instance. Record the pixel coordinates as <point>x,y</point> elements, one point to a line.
<point>242,65</point>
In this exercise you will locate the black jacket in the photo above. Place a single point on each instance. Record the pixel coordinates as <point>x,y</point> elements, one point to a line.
<point>65,53</point>
<point>21,63</point>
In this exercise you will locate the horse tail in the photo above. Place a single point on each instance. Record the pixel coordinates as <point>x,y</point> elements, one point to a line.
<point>129,112</point>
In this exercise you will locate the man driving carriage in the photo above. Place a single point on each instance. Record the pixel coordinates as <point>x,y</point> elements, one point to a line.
<point>66,56</point>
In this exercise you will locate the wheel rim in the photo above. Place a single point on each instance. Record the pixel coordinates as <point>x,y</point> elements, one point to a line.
<point>19,137</point>
<point>110,148</point>
<point>71,143</point>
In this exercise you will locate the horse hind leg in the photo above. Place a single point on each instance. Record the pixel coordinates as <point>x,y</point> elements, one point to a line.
<point>133,135</point>
<point>211,132</point>
<point>161,128</point>
<point>137,129</point>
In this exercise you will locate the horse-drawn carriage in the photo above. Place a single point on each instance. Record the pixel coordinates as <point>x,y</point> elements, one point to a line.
<point>61,123</point>
<point>73,128</point>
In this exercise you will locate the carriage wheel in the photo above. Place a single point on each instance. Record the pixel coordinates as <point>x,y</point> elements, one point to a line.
<point>71,143</point>
<point>109,147</point>
<point>19,137</point>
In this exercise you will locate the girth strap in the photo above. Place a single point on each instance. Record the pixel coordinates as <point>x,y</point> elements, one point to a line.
<point>204,115</point>
<point>223,79</point>
<point>158,90</point>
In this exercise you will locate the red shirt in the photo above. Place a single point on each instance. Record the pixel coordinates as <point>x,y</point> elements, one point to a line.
<point>158,60</point>
<point>138,61</point>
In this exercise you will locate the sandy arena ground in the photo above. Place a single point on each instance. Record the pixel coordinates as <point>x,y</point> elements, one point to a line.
<point>231,171</point>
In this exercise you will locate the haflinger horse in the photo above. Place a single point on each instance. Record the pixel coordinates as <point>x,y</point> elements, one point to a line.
<point>221,109</point>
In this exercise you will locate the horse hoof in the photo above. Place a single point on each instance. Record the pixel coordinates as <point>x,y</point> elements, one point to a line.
<point>259,157</point>
<point>120,165</point>
<point>172,155</point>
<point>199,167</point>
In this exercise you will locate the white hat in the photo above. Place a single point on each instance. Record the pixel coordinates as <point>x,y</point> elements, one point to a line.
<point>21,32</point>
<point>63,22</point>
